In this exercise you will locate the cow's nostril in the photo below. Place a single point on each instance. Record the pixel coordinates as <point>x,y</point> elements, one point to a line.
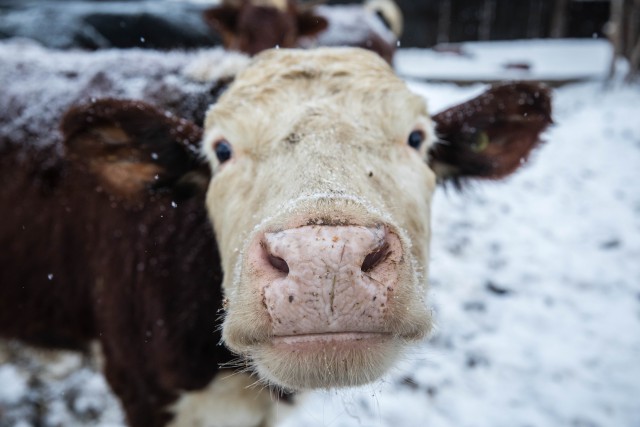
<point>278,263</point>
<point>375,258</point>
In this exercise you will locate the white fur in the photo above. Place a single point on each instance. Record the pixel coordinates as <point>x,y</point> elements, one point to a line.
<point>213,65</point>
<point>390,10</point>
<point>233,399</point>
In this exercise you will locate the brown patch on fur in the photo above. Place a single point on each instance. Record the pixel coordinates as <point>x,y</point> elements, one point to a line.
<point>131,145</point>
<point>111,135</point>
<point>492,135</point>
<point>126,177</point>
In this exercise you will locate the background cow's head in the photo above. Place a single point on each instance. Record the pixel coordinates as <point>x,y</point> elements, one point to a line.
<point>323,165</point>
<point>252,26</point>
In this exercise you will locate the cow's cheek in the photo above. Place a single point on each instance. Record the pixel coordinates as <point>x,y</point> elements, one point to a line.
<point>418,184</point>
<point>229,206</point>
<point>235,203</point>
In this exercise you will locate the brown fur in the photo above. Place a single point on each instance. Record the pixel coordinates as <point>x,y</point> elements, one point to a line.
<point>80,263</point>
<point>252,26</point>
<point>492,135</point>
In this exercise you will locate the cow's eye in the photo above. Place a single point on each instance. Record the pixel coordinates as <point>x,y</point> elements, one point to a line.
<point>415,139</point>
<point>223,150</point>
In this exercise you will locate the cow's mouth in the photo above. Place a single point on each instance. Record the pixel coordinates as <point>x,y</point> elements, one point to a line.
<point>328,339</point>
<point>327,360</point>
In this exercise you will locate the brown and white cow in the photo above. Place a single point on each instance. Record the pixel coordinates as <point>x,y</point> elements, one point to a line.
<point>251,26</point>
<point>309,213</point>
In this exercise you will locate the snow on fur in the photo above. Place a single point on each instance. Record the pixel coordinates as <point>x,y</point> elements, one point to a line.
<point>38,84</point>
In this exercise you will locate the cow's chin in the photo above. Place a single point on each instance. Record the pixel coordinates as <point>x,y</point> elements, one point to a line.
<point>330,360</point>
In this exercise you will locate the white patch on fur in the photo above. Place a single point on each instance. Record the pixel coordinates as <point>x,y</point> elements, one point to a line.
<point>390,10</point>
<point>277,4</point>
<point>232,399</point>
<point>214,65</point>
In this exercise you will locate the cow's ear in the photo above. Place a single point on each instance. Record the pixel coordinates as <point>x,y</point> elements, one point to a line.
<point>223,18</point>
<point>492,135</point>
<point>134,148</point>
<point>310,24</point>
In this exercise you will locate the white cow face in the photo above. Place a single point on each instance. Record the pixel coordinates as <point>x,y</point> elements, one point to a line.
<point>320,201</point>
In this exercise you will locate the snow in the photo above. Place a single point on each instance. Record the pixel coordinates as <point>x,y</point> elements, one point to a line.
<point>14,384</point>
<point>40,84</point>
<point>548,60</point>
<point>535,287</point>
<point>560,346</point>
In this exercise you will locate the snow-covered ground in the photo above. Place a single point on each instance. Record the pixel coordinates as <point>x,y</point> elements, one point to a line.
<point>553,61</point>
<point>535,285</point>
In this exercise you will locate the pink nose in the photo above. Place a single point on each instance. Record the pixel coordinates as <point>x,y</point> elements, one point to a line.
<point>327,279</point>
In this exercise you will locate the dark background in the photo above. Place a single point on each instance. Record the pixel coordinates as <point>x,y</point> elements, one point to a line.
<point>426,23</point>
<point>168,24</point>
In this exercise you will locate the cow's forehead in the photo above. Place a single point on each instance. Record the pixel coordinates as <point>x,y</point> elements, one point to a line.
<point>285,85</point>
<point>287,63</point>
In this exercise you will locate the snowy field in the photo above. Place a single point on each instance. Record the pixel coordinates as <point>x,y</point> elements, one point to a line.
<point>535,286</point>
<point>558,61</point>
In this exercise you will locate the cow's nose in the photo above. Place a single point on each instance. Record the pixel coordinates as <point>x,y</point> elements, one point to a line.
<point>330,248</point>
<point>323,279</point>
<point>278,263</point>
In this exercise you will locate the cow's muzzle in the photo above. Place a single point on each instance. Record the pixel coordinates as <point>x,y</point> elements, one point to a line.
<point>323,282</point>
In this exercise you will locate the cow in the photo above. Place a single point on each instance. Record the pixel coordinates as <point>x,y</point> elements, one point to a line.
<point>251,26</point>
<point>294,229</point>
